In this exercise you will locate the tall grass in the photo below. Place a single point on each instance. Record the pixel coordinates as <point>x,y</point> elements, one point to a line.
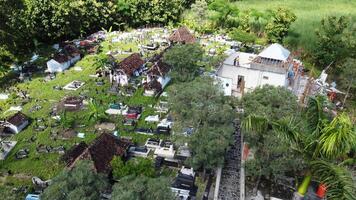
<point>309,14</point>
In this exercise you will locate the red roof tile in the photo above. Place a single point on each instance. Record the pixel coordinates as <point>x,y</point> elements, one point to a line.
<point>101,152</point>
<point>131,63</point>
<point>182,35</point>
<point>17,119</point>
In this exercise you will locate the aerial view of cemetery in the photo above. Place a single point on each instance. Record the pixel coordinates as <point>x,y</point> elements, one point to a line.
<point>174,99</point>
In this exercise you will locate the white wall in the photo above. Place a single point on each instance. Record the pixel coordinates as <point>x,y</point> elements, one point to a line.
<point>16,129</point>
<point>253,78</point>
<point>54,66</point>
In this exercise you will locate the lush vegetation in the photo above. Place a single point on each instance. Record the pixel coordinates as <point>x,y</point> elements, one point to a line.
<point>79,183</point>
<point>309,15</point>
<point>323,142</point>
<point>184,61</point>
<point>202,105</point>
<point>287,140</point>
<point>273,25</point>
<point>50,21</point>
<point>136,167</point>
<point>142,188</point>
<point>274,157</point>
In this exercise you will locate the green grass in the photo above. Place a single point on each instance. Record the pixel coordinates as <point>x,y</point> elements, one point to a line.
<point>48,165</point>
<point>309,14</point>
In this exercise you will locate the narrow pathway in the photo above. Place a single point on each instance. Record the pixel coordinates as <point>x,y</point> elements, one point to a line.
<point>230,176</point>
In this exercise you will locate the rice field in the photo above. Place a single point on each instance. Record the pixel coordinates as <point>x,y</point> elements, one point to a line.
<point>309,14</point>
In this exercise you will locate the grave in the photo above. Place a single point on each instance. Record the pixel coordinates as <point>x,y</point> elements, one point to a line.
<point>74,85</point>
<point>6,147</point>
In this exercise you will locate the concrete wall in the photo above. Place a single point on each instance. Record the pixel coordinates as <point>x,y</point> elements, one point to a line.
<point>17,129</point>
<point>253,78</point>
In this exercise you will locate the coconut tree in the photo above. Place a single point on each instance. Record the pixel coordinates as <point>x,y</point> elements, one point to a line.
<point>323,143</point>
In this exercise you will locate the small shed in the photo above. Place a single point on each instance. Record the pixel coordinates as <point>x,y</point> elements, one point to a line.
<point>126,68</point>
<point>17,122</point>
<point>182,35</point>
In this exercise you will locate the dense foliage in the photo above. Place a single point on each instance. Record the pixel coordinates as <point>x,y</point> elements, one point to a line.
<point>184,61</point>
<point>27,23</point>
<point>273,156</point>
<point>142,188</point>
<point>323,141</point>
<point>222,14</point>
<point>79,183</point>
<point>336,41</point>
<point>201,104</point>
<point>138,166</point>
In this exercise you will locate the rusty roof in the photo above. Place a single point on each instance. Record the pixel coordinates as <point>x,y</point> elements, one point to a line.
<point>182,35</point>
<point>131,63</point>
<point>101,151</point>
<point>17,119</point>
<point>73,153</point>
<point>153,85</point>
<point>71,50</point>
<point>61,58</point>
<point>104,148</point>
<point>159,69</point>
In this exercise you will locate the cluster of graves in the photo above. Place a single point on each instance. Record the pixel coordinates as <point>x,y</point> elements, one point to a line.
<point>69,52</point>
<point>126,76</point>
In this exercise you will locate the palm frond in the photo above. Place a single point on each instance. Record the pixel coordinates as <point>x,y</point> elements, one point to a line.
<point>287,128</point>
<point>254,123</point>
<point>315,114</point>
<point>338,180</point>
<point>338,137</point>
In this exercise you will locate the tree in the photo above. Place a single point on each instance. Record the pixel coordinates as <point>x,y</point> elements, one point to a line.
<point>348,78</point>
<point>279,26</point>
<point>239,35</point>
<point>79,183</point>
<point>201,104</point>
<point>322,144</point>
<point>224,14</point>
<point>142,188</point>
<point>273,156</point>
<point>197,17</point>
<point>331,46</point>
<point>141,12</point>
<point>95,111</point>
<point>184,61</point>
<point>136,167</point>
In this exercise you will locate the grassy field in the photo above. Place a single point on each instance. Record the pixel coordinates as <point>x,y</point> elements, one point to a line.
<point>309,14</point>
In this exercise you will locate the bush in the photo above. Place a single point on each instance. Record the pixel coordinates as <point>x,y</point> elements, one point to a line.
<point>242,36</point>
<point>137,166</point>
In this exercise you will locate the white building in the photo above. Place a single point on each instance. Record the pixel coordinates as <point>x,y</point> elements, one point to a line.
<point>127,68</point>
<point>63,61</point>
<point>248,71</point>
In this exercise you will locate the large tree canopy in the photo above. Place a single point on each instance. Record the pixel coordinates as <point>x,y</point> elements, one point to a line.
<point>201,104</point>
<point>335,40</point>
<point>79,183</point>
<point>142,188</point>
<point>273,156</point>
<point>184,61</point>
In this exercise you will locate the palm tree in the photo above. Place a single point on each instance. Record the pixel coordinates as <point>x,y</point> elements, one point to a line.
<point>95,113</point>
<point>322,143</point>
